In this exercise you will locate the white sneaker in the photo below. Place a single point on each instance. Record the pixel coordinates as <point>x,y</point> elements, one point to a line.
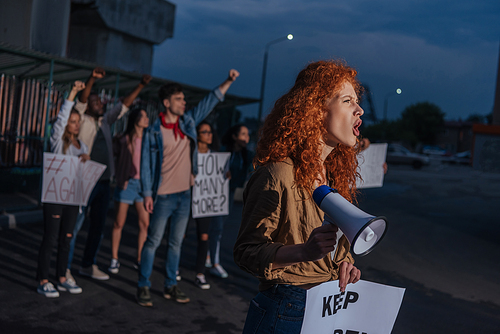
<point>94,272</point>
<point>69,277</point>
<point>218,271</point>
<point>69,286</point>
<point>178,276</point>
<point>47,290</point>
<point>114,268</point>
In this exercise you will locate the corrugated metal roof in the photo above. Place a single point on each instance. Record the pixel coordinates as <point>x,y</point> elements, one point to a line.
<point>25,63</point>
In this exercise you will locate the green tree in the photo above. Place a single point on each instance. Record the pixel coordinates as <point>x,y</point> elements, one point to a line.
<point>421,123</point>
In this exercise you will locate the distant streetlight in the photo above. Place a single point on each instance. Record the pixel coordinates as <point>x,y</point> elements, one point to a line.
<point>288,37</point>
<point>398,91</point>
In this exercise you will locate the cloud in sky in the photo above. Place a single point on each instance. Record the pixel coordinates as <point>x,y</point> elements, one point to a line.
<point>444,52</point>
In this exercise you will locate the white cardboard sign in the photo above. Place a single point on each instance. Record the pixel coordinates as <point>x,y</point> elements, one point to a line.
<point>364,307</point>
<point>371,162</point>
<point>68,180</point>
<point>210,195</point>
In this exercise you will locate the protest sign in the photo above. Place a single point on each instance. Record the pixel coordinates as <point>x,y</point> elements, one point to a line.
<point>68,180</point>
<point>211,188</point>
<point>371,166</point>
<point>364,307</point>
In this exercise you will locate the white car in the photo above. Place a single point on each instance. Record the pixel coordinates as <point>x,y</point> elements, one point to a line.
<point>398,154</point>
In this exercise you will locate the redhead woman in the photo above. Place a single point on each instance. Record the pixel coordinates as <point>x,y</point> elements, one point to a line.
<point>59,220</point>
<point>309,139</point>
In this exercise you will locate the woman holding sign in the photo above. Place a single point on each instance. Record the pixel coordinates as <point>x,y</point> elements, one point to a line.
<point>205,141</point>
<point>127,151</point>
<point>59,219</point>
<point>307,140</point>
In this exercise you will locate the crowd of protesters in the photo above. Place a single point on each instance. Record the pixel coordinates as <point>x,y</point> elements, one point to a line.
<point>310,138</point>
<point>153,165</point>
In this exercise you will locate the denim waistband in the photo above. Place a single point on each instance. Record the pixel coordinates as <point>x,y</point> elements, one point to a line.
<point>285,290</point>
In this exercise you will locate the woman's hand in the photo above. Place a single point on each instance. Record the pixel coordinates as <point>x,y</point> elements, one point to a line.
<point>84,157</point>
<point>348,273</point>
<point>321,242</point>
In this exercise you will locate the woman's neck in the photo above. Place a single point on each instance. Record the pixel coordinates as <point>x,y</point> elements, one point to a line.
<point>202,147</point>
<point>138,131</point>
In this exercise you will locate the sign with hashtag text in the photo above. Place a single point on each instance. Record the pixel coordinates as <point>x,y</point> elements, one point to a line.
<point>68,180</point>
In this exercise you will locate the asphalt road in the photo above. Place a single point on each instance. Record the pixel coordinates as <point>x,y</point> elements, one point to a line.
<point>442,245</point>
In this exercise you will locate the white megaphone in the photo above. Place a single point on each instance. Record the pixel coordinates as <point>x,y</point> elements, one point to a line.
<point>363,230</point>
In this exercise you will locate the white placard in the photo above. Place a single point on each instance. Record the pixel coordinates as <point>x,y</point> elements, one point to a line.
<point>68,180</point>
<point>371,166</point>
<point>364,307</point>
<point>210,195</point>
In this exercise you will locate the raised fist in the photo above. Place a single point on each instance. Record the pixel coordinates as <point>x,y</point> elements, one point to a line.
<point>98,73</point>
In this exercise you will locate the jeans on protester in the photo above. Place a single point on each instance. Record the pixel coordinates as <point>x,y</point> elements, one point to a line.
<point>170,216</point>
<point>98,203</point>
<point>59,221</point>
<point>278,310</point>
<point>216,229</point>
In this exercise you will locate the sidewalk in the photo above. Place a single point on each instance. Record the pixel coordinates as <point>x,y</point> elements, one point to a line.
<point>19,208</point>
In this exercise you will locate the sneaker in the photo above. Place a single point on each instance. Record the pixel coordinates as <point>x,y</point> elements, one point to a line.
<point>94,272</point>
<point>69,277</point>
<point>114,267</point>
<point>47,290</point>
<point>218,271</point>
<point>174,293</point>
<point>201,282</point>
<point>143,297</point>
<point>178,276</point>
<point>69,286</point>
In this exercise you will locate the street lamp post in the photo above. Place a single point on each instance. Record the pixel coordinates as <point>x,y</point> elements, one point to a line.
<point>386,100</point>
<point>289,37</point>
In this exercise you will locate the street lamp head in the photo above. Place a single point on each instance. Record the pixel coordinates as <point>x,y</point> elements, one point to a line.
<point>398,91</point>
<point>290,37</point>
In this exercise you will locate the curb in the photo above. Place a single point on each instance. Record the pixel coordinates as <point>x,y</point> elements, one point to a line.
<point>12,220</point>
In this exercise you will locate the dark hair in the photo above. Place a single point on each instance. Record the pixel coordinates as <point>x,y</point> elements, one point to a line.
<point>215,142</point>
<point>133,116</point>
<point>168,90</point>
<point>228,141</point>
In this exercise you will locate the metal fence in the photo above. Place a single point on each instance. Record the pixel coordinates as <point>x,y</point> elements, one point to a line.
<point>25,112</point>
<point>25,109</point>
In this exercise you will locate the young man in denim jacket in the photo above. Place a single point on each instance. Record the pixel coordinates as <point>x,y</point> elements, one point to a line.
<point>168,166</point>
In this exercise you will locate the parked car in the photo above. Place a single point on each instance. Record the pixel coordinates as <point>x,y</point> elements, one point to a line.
<point>434,150</point>
<point>398,154</point>
<point>463,158</point>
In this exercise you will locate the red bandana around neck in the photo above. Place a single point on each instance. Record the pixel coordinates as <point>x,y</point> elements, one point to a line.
<point>173,126</point>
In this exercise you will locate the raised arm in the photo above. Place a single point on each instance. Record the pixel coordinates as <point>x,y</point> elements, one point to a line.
<point>77,86</point>
<point>97,73</point>
<point>129,99</point>
<point>62,118</point>
<point>233,74</point>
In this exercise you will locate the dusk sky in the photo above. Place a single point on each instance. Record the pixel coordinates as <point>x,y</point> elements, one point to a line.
<point>440,51</point>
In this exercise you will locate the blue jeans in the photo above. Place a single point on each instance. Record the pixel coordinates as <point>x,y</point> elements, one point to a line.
<point>99,202</point>
<point>279,309</point>
<point>170,215</point>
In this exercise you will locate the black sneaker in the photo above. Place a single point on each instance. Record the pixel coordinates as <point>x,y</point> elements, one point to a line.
<point>201,282</point>
<point>174,293</point>
<point>144,297</point>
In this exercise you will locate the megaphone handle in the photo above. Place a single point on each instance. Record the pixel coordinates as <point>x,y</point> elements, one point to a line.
<point>328,220</point>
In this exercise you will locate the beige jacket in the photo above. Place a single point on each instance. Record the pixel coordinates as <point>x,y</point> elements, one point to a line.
<point>276,214</point>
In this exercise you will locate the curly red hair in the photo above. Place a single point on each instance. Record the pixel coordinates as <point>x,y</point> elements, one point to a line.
<point>295,129</point>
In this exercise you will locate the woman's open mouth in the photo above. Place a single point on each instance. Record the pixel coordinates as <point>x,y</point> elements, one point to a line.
<point>355,128</point>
